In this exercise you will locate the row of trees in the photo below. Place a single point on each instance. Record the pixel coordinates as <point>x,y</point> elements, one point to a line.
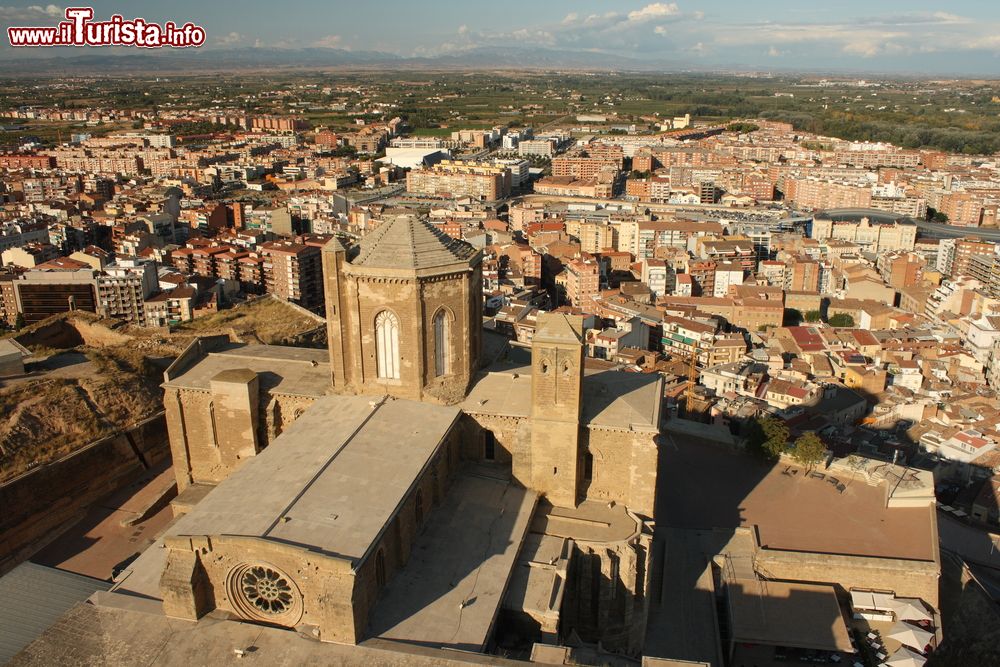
<point>909,134</point>
<point>769,439</point>
<point>794,318</point>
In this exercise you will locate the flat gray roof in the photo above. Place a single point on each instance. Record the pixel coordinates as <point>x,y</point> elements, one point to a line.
<point>590,521</point>
<point>11,348</point>
<point>611,398</point>
<point>784,613</point>
<point>450,591</point>
<point>287,370</point>
<point>331,482</point>
<point>537,580</point>
<point>124,637</point>
<point>683,617</point>
<point>34,598</point>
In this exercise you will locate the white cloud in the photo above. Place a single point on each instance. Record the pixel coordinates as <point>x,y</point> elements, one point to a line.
<point>329,42</point>
<point>31,12</point>
<point>543,37</point>
<point>986,42</point>
<point>870,36</point>
<point>657,10</point>
<point>598,19</point>
<point>621,32</point>
<point>945,17</point>
<point>230,39</point>
<point>654,29</point>
<point>854,40</point>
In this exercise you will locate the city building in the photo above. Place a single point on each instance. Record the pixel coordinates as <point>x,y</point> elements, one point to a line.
<point>293,272</point>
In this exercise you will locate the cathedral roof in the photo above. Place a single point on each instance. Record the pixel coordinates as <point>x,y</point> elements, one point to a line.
<point>408,242</point>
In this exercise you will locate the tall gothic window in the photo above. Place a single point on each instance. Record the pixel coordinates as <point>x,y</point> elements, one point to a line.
<point>387,345</point>
<point>442,336</point>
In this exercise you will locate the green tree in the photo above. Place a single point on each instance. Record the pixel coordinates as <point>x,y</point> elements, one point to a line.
<point>767,438</point>
<point>19,321</point>
<point>841,320</point>
<point>813,316</point>
<point>809,450</point>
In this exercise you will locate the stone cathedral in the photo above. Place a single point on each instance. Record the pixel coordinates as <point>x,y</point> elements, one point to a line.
<point>392,488</point>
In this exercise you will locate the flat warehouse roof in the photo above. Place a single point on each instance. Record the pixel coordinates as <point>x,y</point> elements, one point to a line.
<point>788,614</point>
<point>791,510</point>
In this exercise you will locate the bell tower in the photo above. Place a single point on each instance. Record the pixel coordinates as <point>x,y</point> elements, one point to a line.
<point>556,388</point>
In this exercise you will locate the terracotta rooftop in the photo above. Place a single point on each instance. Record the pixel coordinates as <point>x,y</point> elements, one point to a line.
<point>62,264</point>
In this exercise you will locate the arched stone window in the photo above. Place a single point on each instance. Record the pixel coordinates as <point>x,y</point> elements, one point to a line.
<point>442,343</point>
<point>387,345</point>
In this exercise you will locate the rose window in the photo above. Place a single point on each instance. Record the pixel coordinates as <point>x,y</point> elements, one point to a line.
<point>262,592</point>
<point>267,590</point>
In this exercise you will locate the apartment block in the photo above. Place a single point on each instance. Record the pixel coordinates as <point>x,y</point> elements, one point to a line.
<point>484,181</point>
<point>293,271</point>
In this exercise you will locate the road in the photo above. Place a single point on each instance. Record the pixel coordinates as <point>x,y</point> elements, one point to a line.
<point>936,229</point>
<point>933,229</point>
<point>666,208</point>
<point>552,124</point>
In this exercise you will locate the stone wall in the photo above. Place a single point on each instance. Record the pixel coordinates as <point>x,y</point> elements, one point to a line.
<point>314,591</point>
<point>907,578</point>
<point>623,462</point>
<point>452,295</point>
<point>323,596</point>
<point>510,434</point>
<point>279,413</point>
<point>39,503</point>
<point>199,445</point>
<point>606,597</point>
<point>414,302</point>
<point>623,468</point>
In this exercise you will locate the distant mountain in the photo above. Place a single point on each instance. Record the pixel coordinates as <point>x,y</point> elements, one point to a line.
<point>195,60</point>
<point>540,58</point>
<point>96,62</point>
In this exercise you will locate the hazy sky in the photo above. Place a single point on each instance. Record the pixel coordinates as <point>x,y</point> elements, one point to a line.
<point>962,36</point>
